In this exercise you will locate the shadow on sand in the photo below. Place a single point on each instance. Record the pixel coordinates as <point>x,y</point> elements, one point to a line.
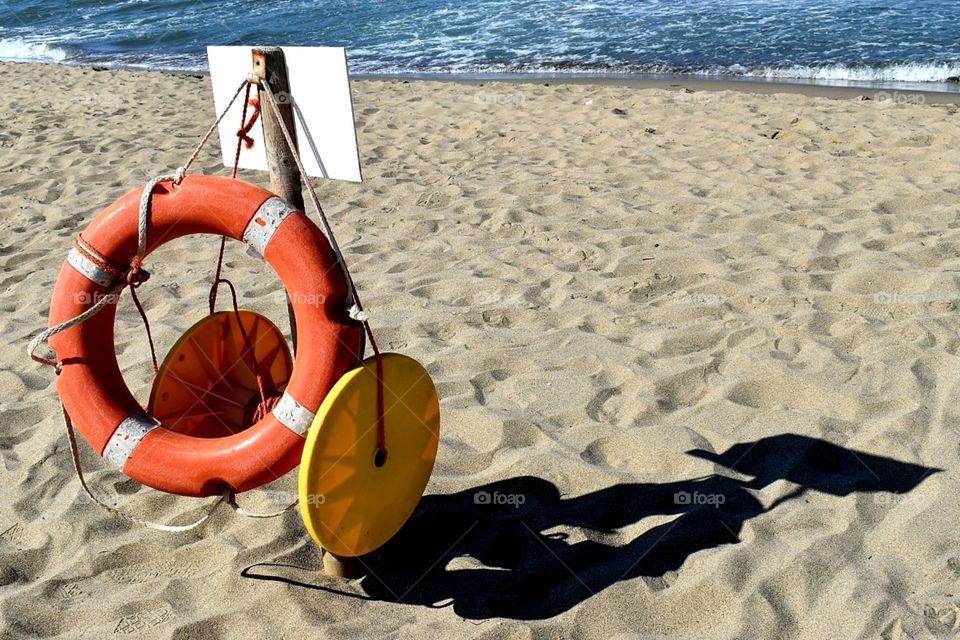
<point>522,570</point>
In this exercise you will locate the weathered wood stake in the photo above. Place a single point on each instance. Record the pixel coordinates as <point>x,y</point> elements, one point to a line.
<point>270,65</point>
<point>285,181</point>
<point>334,565</point>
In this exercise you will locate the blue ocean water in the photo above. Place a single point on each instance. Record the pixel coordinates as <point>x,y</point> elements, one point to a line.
<point>843,41</point>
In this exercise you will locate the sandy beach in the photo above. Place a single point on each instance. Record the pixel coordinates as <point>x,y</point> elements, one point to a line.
<point>697,354</point>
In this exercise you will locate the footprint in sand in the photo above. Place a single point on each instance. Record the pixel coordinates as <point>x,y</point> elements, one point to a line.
<point>141,621</point>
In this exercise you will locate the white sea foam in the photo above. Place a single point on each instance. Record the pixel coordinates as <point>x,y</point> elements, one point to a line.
<point>599,66</point>
<point>19,49</point>
<point>909,72</point>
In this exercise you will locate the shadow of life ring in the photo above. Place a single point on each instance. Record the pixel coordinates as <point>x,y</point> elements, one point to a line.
<point>90,383</point>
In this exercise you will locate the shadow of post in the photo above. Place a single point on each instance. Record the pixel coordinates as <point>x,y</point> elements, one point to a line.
<point>491,551</point>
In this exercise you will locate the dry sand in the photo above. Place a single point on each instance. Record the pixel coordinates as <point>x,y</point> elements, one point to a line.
<point>701,347</point>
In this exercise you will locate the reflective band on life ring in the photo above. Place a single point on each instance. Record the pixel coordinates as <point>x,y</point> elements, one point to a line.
<point>92,388</point>
<point>293,415</point>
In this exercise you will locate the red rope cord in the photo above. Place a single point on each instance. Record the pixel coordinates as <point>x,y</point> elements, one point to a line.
<point>250,357</point>
<point>134,276</point>
<point>243,140</point>
<point>244,131</point>
<point>216,278</point>
<point>94,256</point>
<point>381,420</point>
<point>146,325</point>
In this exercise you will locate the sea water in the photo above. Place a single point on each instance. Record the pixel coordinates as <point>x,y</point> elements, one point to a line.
<point>827,41</point>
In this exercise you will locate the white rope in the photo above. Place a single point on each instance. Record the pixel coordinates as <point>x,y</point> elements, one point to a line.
<point>353,309</point>
<point>115,511</point>
<point>144,221</point>
<point>45,335</point>
<point>144,214</point>
<point>209,133</point>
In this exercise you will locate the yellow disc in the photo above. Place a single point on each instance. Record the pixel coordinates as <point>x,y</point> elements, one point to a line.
<point>206,386</point>
<point>353,499</point>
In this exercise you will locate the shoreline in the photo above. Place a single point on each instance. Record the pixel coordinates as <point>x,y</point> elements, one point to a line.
<point>903,92</point>
<point>693,83</point>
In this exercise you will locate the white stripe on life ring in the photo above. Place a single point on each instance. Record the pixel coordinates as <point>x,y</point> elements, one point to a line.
<point>265,223</point>
<point>90,270</point>
<point>293,415</point>
<point>127,436</point>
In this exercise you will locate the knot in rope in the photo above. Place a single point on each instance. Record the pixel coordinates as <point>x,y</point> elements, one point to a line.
<point>244,131</point>
<point>136,275</point>
<point>358,314</point>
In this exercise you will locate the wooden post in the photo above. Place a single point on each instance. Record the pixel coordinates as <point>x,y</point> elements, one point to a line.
<point>270,66</point>
<point>334,565</point>
<point>285,181</point>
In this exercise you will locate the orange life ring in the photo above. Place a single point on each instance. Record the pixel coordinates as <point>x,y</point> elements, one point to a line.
<point>90,383</point>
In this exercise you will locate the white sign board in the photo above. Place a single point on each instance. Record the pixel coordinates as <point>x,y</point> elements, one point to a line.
<point>320,94</point>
